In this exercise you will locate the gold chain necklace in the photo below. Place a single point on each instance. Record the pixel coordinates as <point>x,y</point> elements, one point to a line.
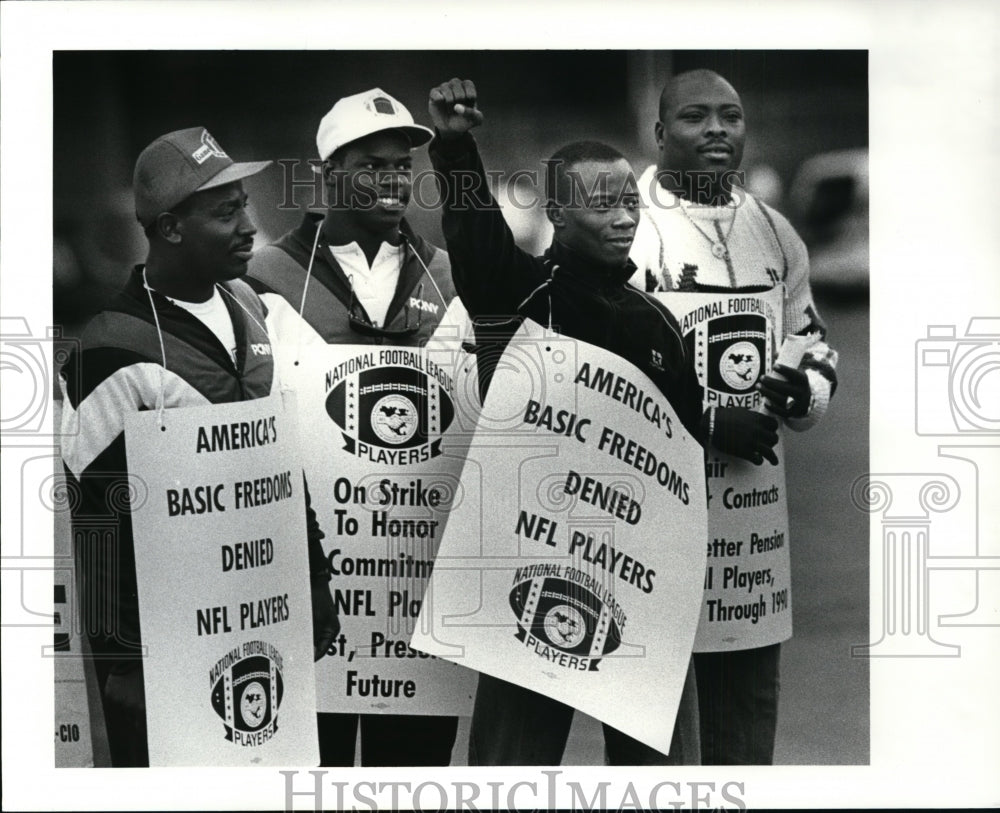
<point>720,248</point>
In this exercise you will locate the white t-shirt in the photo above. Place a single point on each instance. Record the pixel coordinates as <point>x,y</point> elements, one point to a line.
<point>216,318</point>
<point>374,285</point>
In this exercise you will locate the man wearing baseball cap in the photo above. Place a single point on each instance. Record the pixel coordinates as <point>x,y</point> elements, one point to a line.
<point>358,274</point>
<point>371,279</point>
<point>185,331</point>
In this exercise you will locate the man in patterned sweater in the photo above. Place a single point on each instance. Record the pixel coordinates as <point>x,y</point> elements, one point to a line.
<point>701,233</point>
<point>184,332</point>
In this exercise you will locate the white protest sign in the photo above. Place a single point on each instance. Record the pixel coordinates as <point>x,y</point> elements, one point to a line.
<point>734,339</point>
<point>585,584</point>
<point>387,437</point>
<point>223,577</point>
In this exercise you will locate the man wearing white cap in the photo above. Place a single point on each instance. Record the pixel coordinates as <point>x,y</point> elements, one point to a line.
<point>357,274</point>
<point>184,332</point>
<point>378,282</point>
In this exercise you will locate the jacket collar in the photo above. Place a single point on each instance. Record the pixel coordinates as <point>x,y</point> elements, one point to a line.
<point>329,273</point>
<point>306,233</point>
<point>585,270</point>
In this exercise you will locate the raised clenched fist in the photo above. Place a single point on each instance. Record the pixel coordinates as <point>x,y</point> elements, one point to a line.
<point>452,107</point>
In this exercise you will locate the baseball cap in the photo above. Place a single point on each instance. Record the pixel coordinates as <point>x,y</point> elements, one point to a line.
<point>362,114</point>
<point>177,165</point>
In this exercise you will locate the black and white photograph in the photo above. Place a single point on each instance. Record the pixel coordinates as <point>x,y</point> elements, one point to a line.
<point>544,421</point>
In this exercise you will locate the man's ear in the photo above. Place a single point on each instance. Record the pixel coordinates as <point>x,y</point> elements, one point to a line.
<point>658,132</point>
<point>169,227</point>
<point>555,213</point>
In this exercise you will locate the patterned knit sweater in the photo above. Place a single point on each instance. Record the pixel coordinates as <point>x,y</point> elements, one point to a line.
<point>673,252</point>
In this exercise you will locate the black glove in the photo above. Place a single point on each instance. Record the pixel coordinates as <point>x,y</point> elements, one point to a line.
<point>742,433</point>
<point>326,624</point>
<point>789,396</point>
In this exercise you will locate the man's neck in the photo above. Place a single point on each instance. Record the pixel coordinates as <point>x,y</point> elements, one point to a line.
<point>339,230</point>
<point>172,283</point>
<point>700,188</point>
<point>579,263</point>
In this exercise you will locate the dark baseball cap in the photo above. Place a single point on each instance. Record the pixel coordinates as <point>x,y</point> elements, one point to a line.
<point>177,165</point>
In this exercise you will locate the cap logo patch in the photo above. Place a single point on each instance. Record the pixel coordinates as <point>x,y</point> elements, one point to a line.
<point>209,147</point>
<point>383,105</point>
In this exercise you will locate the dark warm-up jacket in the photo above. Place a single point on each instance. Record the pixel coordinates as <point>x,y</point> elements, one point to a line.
<point>500,284</point>
<point>118,369</point>
<point>423,292</point>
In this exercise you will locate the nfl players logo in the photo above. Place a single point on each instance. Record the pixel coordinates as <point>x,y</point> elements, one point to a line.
<point>391,415</point>
<point>394,419</point>
<point>565,622</point>
<point>736,347</point>
<point>731,354</point>
<point>246,692</point>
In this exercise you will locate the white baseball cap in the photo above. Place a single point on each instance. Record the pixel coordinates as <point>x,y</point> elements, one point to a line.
<point>357,116</point>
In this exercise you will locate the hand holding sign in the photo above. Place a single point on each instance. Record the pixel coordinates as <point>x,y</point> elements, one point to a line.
<point>744,433</point>
<point>787,394</point>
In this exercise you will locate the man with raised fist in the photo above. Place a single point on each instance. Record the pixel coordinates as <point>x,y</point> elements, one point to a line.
<point>580,285</point>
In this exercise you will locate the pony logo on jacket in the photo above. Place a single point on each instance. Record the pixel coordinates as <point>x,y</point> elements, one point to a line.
<point>424,305</point>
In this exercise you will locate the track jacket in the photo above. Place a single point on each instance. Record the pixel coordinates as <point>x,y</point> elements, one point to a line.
<point>500,284</point>
<point>118,369</point>
<point>278,273</point>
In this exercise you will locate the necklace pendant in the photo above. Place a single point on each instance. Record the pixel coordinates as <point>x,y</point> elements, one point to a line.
<point>719,251</point>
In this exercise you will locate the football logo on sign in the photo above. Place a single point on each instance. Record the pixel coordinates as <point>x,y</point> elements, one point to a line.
<point>247,691</point>
<point>736,345</point>
<point>731,351</point>
<point>565,625</point>
<point>565,622</point>
<point>391,415</point>
<point>739,365</point>
<point>394,419</point>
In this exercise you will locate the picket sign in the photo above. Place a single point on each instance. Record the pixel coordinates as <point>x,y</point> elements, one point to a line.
<point>734,339</point>
<point>585,582</point>
<point>223,578</point>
